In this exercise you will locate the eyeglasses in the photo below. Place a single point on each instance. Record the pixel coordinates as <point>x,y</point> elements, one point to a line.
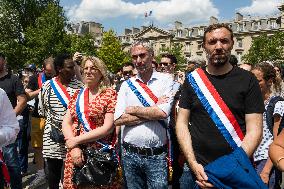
<point>164,64</point>
<point>127,72</point>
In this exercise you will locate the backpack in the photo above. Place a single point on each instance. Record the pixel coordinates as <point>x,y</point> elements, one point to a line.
<point>269,114</point>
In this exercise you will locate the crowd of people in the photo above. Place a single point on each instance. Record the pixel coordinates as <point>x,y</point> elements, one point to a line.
<point>215,125</point>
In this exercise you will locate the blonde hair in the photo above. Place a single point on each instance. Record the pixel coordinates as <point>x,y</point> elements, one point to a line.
<point>100,65</point>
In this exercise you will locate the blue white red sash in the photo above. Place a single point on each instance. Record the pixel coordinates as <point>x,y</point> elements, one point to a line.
<point>82,109</point>
<point>218,111</point>
<point>4,170</point>
<point>150,95</point>
<point>60,91</point>
<point>41,79</point>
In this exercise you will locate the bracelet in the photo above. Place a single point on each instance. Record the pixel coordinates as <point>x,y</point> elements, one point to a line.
<point>277,162</point>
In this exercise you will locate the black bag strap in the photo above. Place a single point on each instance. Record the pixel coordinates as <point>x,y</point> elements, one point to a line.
<point>269,112</point>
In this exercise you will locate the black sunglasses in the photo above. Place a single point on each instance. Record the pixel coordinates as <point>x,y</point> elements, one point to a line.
<point>127,72</point>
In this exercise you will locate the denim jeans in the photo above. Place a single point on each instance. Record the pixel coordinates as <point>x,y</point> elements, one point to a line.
<point>143,172</point>
<point>23,143</point>
<point>272,179</point>
<point>186,181</point>
<point>10,154</point>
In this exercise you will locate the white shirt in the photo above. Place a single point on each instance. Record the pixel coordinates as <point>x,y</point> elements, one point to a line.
<point>261,152</point>
<point>9,126</point>
<point>151,133</point>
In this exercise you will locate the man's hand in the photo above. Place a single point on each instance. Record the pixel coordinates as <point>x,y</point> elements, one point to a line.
<point>77,156</point>
<point>163,99</point>
<point>202,179</point>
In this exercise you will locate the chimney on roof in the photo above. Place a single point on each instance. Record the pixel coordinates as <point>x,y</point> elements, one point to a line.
<point>213,20</point>
<point>178,24</point>
<point>239,16</point>
<point>143,28</point>
<point>135,30</point>
<point>127,31</point>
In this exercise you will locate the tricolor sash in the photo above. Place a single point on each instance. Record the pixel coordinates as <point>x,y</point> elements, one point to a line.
<point>82,109</point>
<point>41,79</point>
<point>4,170</point>
<point>218,111</point>
<point>60,91</point>
<point>145,103</point>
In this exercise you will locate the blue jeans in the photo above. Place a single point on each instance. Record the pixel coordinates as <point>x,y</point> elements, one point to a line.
<point>23,143</point>
<point>186,181</point>
<point>10,154</point>
<point>142,172</point>
<point>272,178</point>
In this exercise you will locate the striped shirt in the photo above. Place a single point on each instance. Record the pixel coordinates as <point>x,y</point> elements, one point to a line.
<point>53,149</point>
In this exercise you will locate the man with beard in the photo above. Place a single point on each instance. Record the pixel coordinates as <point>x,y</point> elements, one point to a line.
<point>237,95</point>
<point>143,104</point>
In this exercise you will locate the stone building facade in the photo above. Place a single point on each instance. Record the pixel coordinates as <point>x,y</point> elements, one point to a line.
<point>244,28</point>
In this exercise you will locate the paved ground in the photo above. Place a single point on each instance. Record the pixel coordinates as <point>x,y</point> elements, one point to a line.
<point>27,178</point>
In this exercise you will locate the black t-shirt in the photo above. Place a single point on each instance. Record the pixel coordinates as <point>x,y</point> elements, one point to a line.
<point>240,90</point>
<point>13,86</point>
<point>33,85</point>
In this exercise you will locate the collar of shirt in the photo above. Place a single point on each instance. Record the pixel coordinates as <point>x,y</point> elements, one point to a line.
<point>154,76</point>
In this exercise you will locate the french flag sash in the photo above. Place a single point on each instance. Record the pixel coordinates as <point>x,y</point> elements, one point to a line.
<point>60,91</point>
<point>82,109</point>
<point>41,79</point>
<point>153,100</point>
<point>218,111</point>
<point>4,170</point>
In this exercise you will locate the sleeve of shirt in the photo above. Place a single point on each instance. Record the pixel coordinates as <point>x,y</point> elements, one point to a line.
<point>279,108</point>
<point>185,98</point>
<point>9,126</point>
<point>170,91</point>
<point>121,101</point>
<point>253,100</point>
<point>112,101</point>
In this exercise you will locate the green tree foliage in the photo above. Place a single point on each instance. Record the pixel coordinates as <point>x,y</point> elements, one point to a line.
<point>83,44</point>
<point>16,16</point>
<point>176,50</point>
<point>111,52</point>
<point>266,48</point>
<point>47,37</point>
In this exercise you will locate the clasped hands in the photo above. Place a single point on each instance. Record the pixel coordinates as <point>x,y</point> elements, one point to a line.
<point>75,152</point>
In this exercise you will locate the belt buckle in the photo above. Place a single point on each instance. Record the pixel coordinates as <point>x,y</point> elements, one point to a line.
<point>142,151</point>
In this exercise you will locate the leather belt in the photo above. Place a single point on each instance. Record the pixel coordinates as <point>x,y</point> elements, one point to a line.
<point>144,151</point>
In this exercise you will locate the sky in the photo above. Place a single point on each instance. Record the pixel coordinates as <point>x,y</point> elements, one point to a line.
<point>121,14</point>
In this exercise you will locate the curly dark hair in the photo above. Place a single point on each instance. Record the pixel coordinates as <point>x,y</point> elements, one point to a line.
<point>268,73</point>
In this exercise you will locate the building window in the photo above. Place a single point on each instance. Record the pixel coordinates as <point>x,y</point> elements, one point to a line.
<point>273,24</point>
<point>199,45</point>
<point>187,47</point>
<point>239,56</point>
<point>239,43</point>
<point>200,31</point>
<point>163,47</point>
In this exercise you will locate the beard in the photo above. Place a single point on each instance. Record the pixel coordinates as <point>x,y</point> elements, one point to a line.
<point>219,60</point>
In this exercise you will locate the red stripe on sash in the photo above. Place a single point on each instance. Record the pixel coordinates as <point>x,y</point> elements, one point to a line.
<point>63,88</point>
<point>4,169</point>
<point>39,81</point>
<point>221,103</point>
<point>148,91</point>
